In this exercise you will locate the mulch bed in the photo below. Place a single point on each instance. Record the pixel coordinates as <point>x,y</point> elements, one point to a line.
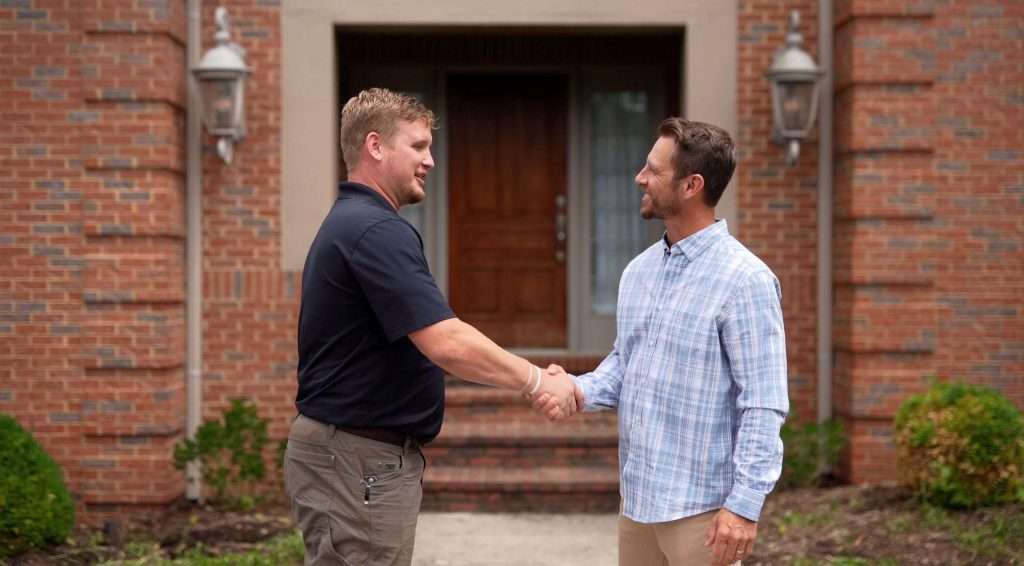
<point>172,532</point>
<point>883,525</point>
<point>843,525</point>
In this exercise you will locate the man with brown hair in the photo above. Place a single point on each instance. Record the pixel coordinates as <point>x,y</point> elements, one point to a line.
<point>375,338</point>
<point>698,370</point>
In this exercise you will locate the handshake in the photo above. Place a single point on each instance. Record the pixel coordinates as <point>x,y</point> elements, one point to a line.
<point>553,393</point>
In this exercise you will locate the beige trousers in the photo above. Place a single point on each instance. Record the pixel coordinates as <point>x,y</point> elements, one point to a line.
<point>675,543</point>
<point>356,500</point>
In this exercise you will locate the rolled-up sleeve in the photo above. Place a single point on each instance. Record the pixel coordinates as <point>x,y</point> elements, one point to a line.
<point>754,341</point>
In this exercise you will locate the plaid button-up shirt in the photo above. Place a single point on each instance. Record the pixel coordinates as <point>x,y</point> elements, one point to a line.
<point>698,375</point>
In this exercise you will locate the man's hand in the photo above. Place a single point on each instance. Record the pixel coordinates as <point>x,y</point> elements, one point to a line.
<point>555,407</point>
<point>731,538</point>
<point>554,398</point>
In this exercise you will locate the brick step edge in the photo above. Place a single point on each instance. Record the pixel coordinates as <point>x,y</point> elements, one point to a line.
<point>475,395</point>
<point>522,480</point>
<point>521,433</point>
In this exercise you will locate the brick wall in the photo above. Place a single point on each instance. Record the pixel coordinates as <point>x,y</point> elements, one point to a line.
<point>979,164</point>
<point>250,306</point>
<point>928,209</point>
<point>91,301</point>
<point>778,204</point>
<point>928,224</point>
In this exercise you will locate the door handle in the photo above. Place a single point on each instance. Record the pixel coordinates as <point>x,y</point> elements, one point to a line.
<point>560,228</point>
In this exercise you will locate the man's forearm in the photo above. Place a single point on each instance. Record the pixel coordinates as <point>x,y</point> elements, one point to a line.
<point>760,465</point>
<point>464,351</point>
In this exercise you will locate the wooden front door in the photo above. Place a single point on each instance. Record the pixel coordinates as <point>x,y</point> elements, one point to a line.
<point>507,193</point>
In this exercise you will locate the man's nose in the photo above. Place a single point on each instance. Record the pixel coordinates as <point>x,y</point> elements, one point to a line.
<point>429,161</point>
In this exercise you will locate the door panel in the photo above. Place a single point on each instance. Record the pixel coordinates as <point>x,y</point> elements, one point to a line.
<point>507,170</point>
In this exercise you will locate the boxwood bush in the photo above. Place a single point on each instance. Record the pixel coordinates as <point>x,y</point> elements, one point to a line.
<point>35,507</point>
<point>961,446</point>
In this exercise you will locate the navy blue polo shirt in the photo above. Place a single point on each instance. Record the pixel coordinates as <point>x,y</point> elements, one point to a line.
<point>365,287</point>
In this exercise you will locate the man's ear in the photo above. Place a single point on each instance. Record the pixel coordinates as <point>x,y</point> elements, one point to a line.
<point>694,186</point>
<point>373,145</point>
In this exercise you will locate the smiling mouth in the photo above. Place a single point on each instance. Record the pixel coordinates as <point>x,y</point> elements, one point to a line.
<point>422,178</point>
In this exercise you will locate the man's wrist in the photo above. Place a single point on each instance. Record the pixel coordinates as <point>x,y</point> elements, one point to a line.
<point>536,386</point>
<point>532,383</point>
<point>745,502</point>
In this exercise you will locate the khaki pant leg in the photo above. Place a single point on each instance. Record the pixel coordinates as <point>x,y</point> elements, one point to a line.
<point>638,544</point>
<point>682,540</point>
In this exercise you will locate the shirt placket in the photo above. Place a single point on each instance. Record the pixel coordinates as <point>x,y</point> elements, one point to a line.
<point>655,318</point>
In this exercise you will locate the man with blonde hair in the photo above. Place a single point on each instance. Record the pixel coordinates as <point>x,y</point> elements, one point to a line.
<point>375,339</point>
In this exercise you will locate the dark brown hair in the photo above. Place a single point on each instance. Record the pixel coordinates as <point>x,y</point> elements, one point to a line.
<point>704,149</point>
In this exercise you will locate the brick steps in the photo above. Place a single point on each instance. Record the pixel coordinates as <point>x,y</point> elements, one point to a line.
<point>536,489</point>
<point>512,443</point>
<point>495,454</point>
<point>581,431</point>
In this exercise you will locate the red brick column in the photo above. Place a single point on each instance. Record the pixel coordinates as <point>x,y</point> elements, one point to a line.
<point>885,315</point>
<point>979,113</point>
<point>92,220</point>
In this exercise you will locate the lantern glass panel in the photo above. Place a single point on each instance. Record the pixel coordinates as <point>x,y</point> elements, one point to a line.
<point>219,97</point>
<point>795,99</point>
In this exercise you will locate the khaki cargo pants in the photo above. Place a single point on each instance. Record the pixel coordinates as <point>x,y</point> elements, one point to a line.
<point>356,500</point>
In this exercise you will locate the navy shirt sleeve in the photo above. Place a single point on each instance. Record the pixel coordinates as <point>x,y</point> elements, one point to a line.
<point>389,265</point>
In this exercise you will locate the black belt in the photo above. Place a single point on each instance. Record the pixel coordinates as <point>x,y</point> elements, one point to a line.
<point>378,434</point>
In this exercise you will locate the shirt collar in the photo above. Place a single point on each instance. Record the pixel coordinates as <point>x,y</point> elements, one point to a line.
<point>348,190</point>
<point>695,244</point>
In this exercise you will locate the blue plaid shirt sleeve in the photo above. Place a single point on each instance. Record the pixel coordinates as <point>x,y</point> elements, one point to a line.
<point>754,342</point>
<point>601,387</point>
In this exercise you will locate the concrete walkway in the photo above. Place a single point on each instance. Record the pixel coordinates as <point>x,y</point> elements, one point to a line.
<point>479,539</point>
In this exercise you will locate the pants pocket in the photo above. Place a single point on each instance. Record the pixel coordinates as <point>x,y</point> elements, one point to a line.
<point>333,520</point>
<point>394,507</point>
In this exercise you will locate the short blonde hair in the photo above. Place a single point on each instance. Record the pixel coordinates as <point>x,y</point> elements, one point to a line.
<point>376,110</point>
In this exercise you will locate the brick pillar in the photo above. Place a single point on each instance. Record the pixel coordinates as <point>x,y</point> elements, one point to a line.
<point>980,162</point>
<point>93,231</point>
<point>133,67</point>
<point>885,244</point>
<point>41,250</point>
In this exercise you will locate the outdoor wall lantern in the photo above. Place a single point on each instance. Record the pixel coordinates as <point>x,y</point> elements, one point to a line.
<point>221,74</point>
<point>794,81</point>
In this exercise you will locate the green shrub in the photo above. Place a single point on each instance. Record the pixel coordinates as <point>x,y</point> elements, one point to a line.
<point>809,450</point>
<point>230,453</point>
<point>961,446</point>
<point>35,507</point>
